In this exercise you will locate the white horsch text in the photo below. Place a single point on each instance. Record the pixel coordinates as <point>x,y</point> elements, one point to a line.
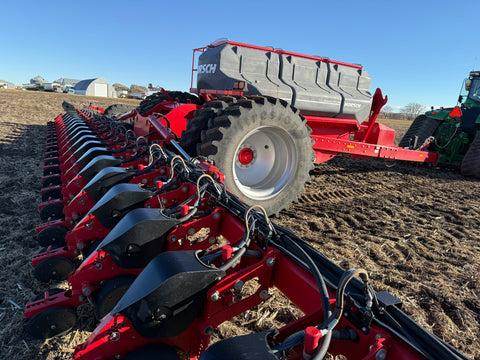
<point>207,68</point>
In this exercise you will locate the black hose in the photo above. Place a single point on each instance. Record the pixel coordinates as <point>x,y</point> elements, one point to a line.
<point>134,157</point>
<point>322,287</point>
<point>345,335</point>
<point>246,242</point>
<point>168,185</point>
<point>233,259</point>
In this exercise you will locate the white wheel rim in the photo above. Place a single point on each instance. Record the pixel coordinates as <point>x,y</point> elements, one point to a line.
<point>265,162</point>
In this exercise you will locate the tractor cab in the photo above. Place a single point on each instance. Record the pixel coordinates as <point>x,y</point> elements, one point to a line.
<point>470,104</point>
<point>472,90</point>
<point>468,98</point>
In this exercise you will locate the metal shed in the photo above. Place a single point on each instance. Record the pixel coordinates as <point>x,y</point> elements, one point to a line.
<point>95,87</point>
<point>6,84</point>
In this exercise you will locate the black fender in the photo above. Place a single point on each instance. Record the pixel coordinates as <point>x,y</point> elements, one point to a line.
<point>138,238</point>
<point>85,143</point>
<point>80,133</point>
<point>90,154</point>
<point>97,164</point>
<point>105,180</point>
<point>168,295</point>
<point>118,201</point>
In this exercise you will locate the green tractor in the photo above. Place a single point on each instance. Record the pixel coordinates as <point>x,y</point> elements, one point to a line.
<point>453,132</point>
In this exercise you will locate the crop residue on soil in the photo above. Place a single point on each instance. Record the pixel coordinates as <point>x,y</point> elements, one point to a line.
<point>415,229</point>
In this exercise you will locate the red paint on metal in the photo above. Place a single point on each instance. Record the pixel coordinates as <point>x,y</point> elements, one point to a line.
<point>227,252</point>
<point>245,156</point>
<point>283,52</point>
<point>312,337</point>
<point>274,269</point>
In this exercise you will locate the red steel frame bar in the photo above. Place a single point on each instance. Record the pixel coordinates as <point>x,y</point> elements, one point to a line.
<point>367,150</point>
<point>275,269</point>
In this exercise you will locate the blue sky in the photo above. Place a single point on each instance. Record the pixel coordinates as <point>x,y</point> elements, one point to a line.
<point>415,51</point>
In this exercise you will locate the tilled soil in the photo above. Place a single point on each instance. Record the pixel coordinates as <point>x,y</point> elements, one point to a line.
<point>415,229</point>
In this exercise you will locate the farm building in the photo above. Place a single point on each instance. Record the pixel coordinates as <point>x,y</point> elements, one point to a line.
<point>95,87</point>
<point>36,83</point>
<point>38,80</point>
<point>6,84</point>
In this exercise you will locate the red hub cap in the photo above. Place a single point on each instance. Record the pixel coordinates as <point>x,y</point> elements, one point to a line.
<point>245,156</point>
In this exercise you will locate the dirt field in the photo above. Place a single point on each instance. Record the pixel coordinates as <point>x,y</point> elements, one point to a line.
<point>415,229</point>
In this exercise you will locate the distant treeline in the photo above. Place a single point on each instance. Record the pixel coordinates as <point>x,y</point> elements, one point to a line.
<point>396,116</point>
<point>408,112</point>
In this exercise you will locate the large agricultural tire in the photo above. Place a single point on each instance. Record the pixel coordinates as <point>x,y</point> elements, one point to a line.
<point>150,102</point>
<point>263,147</point>
<point>471,161</point>
<point>117,109</point>
<point>153,100</point>
<point>422,128</point>
<point>184,97</point>
<point>192,135</point>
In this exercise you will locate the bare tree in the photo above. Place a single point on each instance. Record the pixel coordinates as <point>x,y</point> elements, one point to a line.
<point>138,88</point>
<point>386,112</point>
<point>412,110</point>
<point>119,87</point>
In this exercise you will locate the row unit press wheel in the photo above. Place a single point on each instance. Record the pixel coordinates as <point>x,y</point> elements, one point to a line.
<point>51,148</point>
<point>51,170</point>
<point>52,161</point>
<point>263,147</point>
<point>110,293</point>
<point>52,181</point>
<point>52,194</point>
<point>51,211</point>
<point>54,268</point>
<point>55,321</point>
<point>52,235</point>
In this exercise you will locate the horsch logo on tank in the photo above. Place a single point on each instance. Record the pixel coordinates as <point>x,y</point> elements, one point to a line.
<point>207,68</point>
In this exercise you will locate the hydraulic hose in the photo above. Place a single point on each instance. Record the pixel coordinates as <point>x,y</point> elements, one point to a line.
<point>320,353</point>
